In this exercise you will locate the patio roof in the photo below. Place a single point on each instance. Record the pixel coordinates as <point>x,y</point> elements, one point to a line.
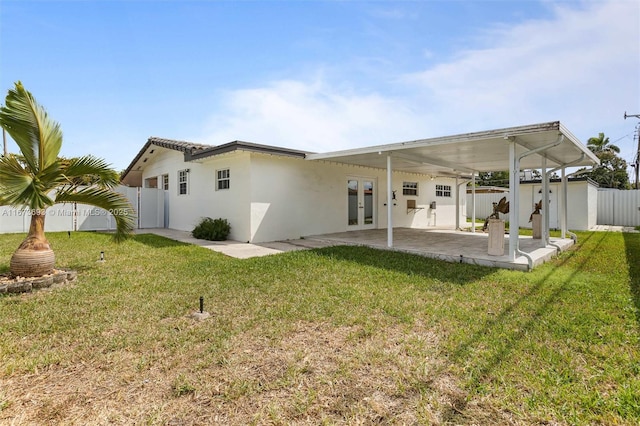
<point>467,153</point>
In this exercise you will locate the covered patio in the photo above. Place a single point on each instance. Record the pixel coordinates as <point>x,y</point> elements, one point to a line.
<point>547,147</point>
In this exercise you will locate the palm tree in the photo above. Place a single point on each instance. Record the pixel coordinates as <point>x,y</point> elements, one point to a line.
<point>39,178</point>
<point>612,171</point>
<point>601,144</point>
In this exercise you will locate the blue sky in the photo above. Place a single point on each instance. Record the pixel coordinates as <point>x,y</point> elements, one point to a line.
<point>321,75</point>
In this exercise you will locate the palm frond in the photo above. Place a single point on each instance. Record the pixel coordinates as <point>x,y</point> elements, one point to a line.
<point>18,188</point>
<point>38,137</point>
<point>95,170</point>
<point>113,202</point>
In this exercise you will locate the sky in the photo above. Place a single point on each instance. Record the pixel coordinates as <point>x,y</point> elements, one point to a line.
<point>321,75</point>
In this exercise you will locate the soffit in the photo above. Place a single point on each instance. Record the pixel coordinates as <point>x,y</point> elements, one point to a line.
<point>471,152</point>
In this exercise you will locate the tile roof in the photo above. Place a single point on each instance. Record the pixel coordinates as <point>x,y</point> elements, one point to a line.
<point>182,146</point>
<point>195,151</point>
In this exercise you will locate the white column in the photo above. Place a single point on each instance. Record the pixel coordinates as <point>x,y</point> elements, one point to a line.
<point>564,216</point>
<point>457,204</point>
<point>389,203</point>
<point>545,203</point>
<point>473,202</point>
<point>514,200</point>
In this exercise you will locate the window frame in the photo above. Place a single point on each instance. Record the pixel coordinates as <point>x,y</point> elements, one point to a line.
<point>151,182</point>
<point>165,182</point>
<point>223,179</point>
<point>443,190</point>
<point>410,188</point>
<point>183,173</point>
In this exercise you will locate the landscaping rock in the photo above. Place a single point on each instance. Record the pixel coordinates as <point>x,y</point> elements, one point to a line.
<point>27,284</point>
<point>42,282</point>
<point>20,287</point>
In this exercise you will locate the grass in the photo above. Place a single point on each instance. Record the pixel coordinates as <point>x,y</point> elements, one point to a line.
<point>341,335</point>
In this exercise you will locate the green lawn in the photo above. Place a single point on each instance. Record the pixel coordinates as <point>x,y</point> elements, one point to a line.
<point>343,335</point>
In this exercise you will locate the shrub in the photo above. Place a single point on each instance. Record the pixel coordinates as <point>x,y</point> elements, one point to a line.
<point>210,229</point>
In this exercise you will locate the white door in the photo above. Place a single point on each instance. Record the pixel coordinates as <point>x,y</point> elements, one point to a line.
<point>361,203</point>
<point>165,187</point>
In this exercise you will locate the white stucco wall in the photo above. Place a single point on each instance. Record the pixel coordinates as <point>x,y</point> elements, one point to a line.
<point>232,204</point>
<point>293,198</point>
<point>202,199</point>
<point>581,204</point>
<point>443,216</point>
<point>275,197</point>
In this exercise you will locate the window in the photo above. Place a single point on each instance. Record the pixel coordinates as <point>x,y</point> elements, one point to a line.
<point>443,190</point>
<point>409,188</point>
<point>182,182</point>
<point>223,180</point>
<point>151,182</point>
<point>165,182</point>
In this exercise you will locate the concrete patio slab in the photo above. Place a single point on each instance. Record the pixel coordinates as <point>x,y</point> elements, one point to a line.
<point>447,245</point>
<point>451,246</point>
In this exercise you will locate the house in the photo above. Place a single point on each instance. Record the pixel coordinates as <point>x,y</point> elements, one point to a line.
<point>270,193</point>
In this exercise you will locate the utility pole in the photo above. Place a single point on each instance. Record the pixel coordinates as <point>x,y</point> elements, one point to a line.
<point>636,161</point>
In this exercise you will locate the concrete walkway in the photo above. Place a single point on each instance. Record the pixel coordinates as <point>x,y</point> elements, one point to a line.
<point>613,228</point>
<point>235,248</point>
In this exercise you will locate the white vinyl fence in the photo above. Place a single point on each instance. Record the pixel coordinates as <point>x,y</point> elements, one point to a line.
<point>484,204</point>
<point>82,217</point>
<point>616,207</point>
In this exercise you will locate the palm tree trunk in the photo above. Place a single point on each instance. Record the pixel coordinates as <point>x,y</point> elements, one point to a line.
<point>36,239</point>
<point>34,257</point>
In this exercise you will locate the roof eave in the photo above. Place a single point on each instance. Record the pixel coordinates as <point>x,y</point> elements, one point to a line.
<point>463,137</point>
<point>244,146</point>
<point>180,146</point>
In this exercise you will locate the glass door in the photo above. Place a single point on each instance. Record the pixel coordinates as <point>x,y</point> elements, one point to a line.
<point>361,203</point>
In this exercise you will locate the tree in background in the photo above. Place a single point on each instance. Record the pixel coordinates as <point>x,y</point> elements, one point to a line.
<point>38,178</point>
<point>493,179</point>
<point>612,171</point>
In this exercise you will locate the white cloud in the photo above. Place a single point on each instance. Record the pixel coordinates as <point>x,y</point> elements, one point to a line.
<point>310,116</point>
<point>581,67</point>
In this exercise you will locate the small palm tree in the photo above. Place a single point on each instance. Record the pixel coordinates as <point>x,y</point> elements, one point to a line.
<point>39,178</point>
<point>601,144</point>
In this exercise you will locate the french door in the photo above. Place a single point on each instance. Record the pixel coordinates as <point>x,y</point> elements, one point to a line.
<point>361,202</point>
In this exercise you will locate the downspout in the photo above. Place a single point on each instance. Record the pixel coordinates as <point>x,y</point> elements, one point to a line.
<point>514,184</point>
<point>473,202</point>
<point>547,209</point>
<point>565,201</point>
<point>389,203</point>
<point>545,203</point>
<point>457,203</point>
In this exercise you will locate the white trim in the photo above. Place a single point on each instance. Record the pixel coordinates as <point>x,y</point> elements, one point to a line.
<point>186,182</point>
<point>223,179</point>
